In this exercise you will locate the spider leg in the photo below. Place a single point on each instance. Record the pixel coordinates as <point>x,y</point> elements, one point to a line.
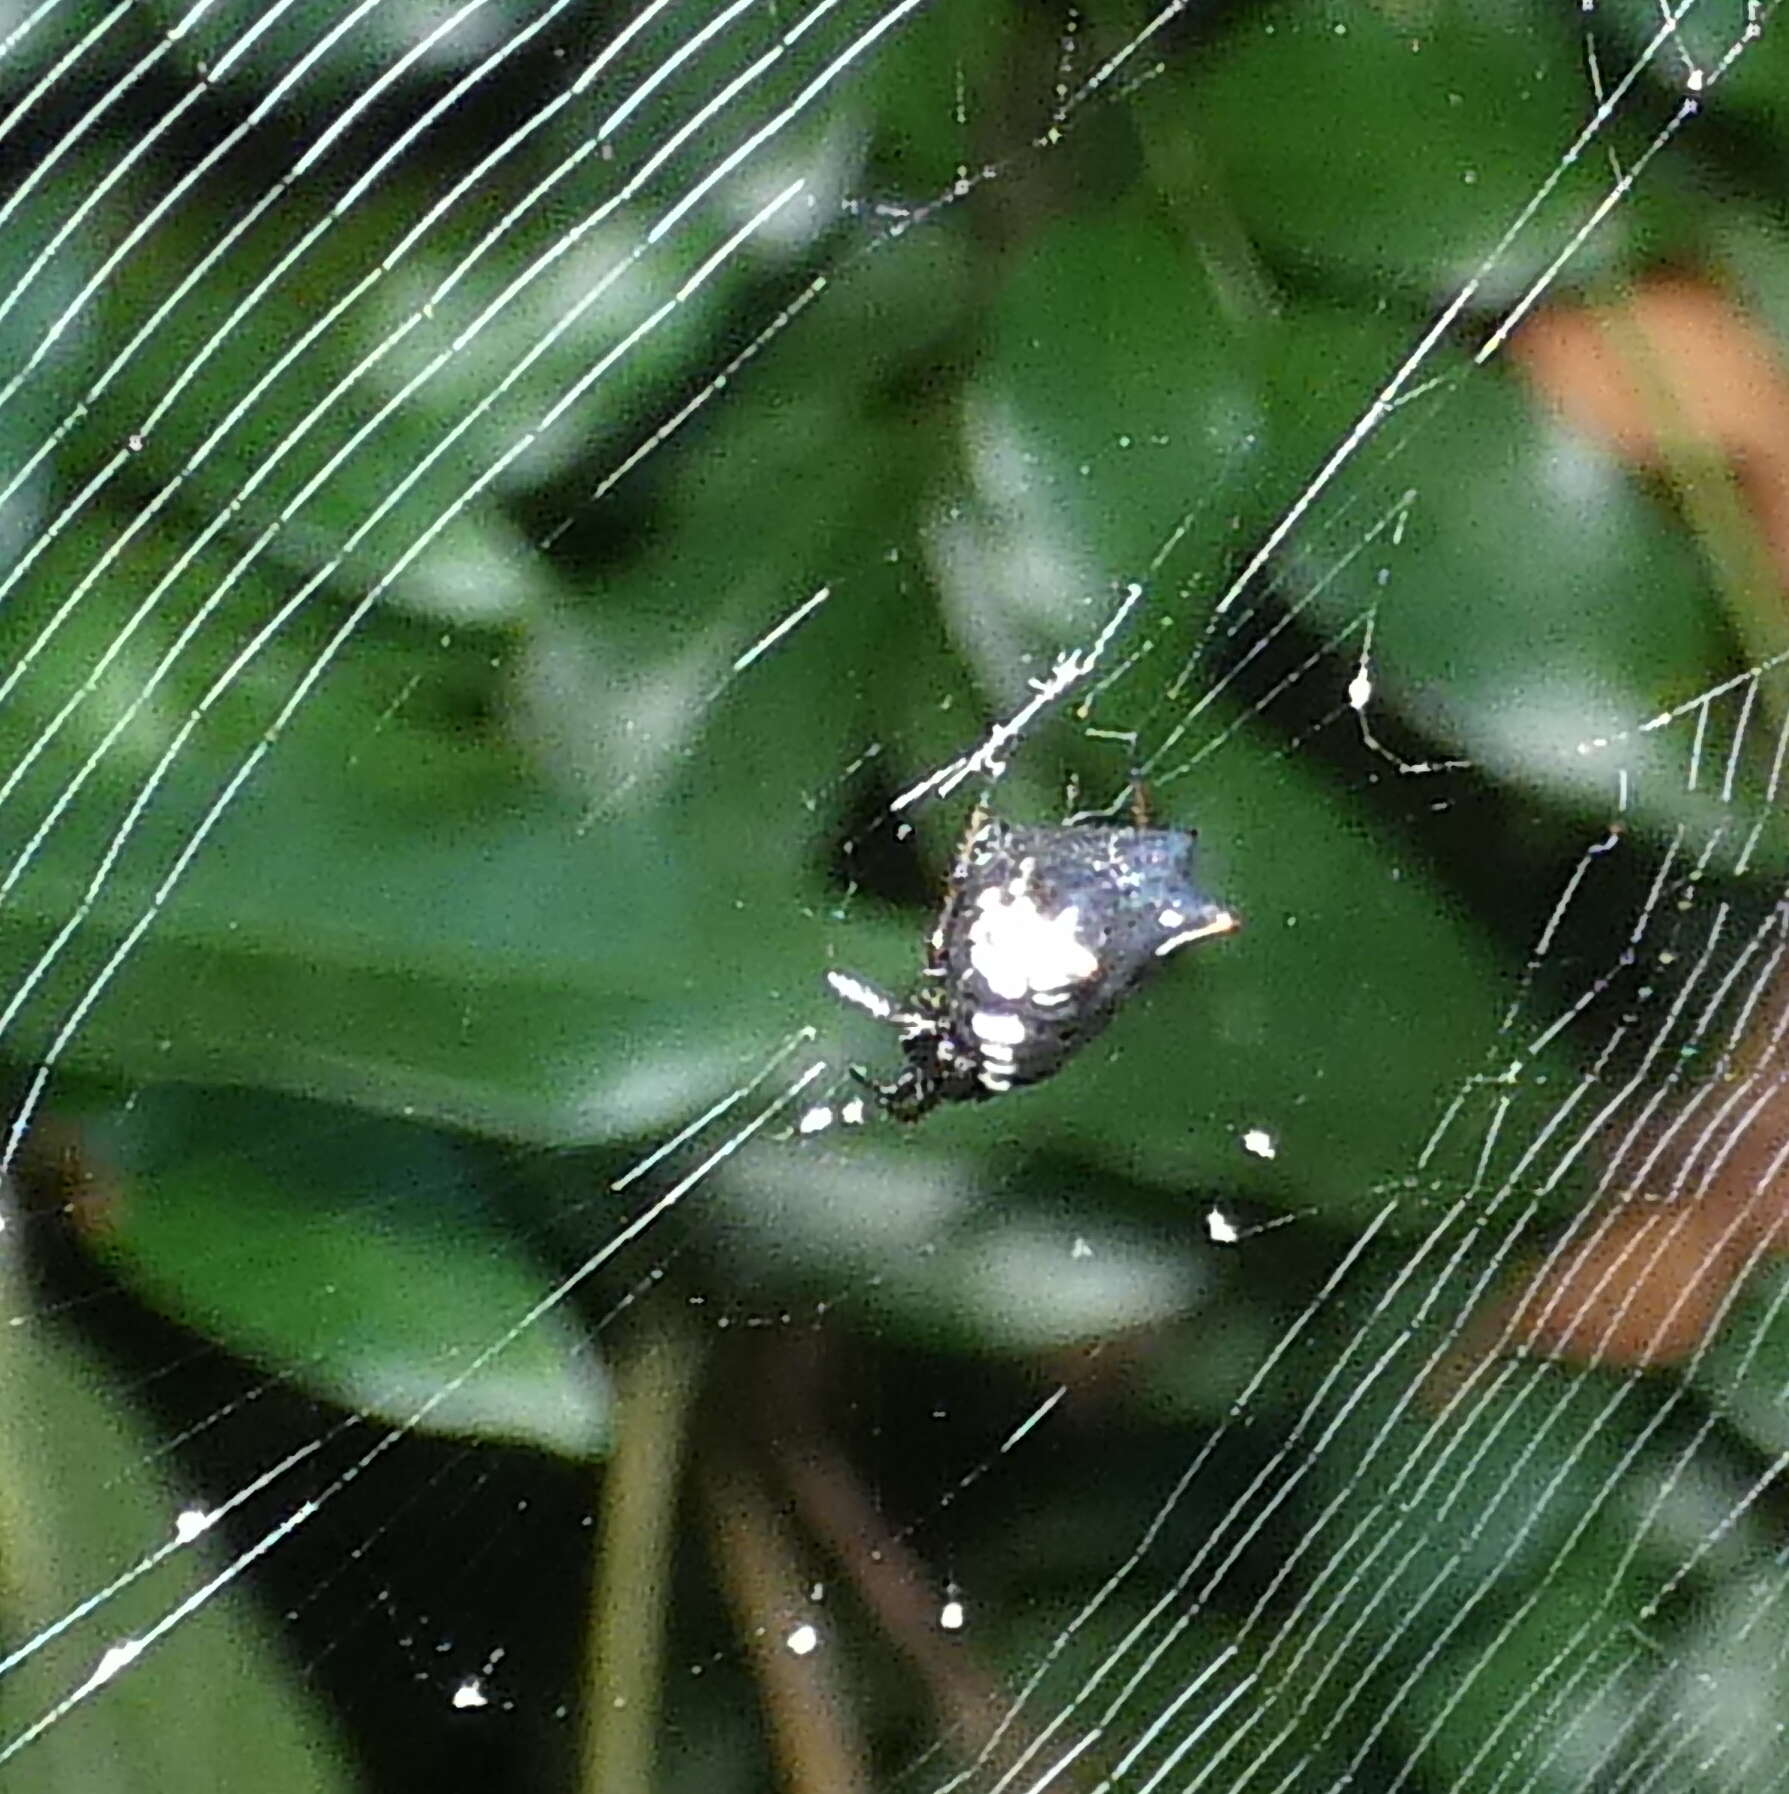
<point>978,820</point>
<point>905,1097</point>
<point>860,1076</point>
<point>1139,801</point>
<point>865,996</point>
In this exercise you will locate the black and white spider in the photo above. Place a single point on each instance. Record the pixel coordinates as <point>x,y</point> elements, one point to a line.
<point>1043,934</point>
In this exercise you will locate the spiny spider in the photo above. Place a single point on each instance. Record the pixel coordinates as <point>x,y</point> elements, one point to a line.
<point>1043,934</point>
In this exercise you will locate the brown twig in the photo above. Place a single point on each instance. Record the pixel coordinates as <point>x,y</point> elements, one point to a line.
<point>813,1730</point>
<point>653,1386</point>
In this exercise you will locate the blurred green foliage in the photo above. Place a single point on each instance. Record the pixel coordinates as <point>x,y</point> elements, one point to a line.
<point>410,821</point>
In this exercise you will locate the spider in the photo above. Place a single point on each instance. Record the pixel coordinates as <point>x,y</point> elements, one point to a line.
<point>1042,935</point>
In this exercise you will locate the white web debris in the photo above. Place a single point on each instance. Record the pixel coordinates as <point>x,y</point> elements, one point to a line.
<point>126,1651</point>
<point>818,1117</point>
<point>1070,669</point>
<point>192,1523</point>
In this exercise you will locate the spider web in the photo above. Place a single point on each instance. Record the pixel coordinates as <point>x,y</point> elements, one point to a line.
<point>528,531</point>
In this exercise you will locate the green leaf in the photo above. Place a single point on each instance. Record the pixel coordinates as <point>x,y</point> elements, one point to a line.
<point>355,1257</point>
<point>210,1701</point>
<point>393,909</point>
<point>1376,144</point>
<point>1078,481</point>
<point>1524,600</point>
<point>1743,1371</point>
<point>363,383</point>
<point>926,1245</point>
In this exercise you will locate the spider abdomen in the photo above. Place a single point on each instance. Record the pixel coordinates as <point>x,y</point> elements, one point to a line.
<point>1048,932</point>
<point>1043,934</point>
